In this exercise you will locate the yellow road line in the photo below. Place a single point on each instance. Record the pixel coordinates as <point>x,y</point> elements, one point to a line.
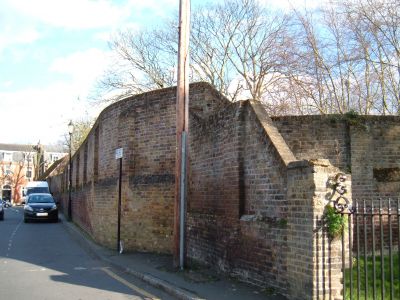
<point>128,284</point>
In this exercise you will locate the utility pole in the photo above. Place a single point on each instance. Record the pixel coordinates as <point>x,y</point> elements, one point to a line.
<point>70,131</point>
<point>182,130</point>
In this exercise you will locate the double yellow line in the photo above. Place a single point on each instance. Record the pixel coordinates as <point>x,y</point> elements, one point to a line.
<point>130,285</point>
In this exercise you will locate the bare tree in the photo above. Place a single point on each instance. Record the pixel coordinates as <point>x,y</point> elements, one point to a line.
<point>210,46</point>
<point>321,73</point>
<point>343,56</point>
<point>348,58</point>
<point>376,23</point>
<point>237,46</point>
<point>142,64</point>
<point>82,128</point>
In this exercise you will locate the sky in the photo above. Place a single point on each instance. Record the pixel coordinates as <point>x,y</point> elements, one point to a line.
<point>52,52</point>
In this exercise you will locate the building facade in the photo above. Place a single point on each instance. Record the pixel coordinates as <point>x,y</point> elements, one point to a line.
<point>20,164</point>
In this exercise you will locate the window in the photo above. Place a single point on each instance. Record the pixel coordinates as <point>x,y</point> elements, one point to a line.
<point>7,170</point>
<point>7,156</point>
<point>29,172</point>
<point>28,157</point>
<point>54,157</point>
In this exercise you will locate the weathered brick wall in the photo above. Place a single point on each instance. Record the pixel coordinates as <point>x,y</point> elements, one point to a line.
<point>313,137</point>
<point>237,210</point>
<point>300,230</point>
<point>368,147</point>
<point>264,218</point>
<point>213,192</point>
<point>375,157</point>
<point>253,209</point>
<point>314,260</point>
<point>144,126</point>
<point>252,206</point>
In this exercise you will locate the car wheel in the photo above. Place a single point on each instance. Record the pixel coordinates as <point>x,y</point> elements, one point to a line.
<point>25,220</point>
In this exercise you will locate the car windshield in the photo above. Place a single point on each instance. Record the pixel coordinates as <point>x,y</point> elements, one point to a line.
<point>40,199</point>
<point>37,190</point>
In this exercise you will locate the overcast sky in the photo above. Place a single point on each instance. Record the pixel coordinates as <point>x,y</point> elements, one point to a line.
<point>52,52</point>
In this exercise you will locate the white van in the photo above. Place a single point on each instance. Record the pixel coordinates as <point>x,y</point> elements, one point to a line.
<point>35,187</point>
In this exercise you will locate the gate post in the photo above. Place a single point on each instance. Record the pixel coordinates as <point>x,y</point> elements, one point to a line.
<point>314,261</point>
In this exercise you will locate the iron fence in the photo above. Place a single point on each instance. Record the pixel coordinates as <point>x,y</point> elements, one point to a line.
<point>370,249</point>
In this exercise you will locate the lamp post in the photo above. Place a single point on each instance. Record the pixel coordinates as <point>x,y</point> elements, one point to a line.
<point>70,131</point>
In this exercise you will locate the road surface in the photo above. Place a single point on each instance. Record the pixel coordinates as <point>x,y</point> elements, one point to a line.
<point>40,261</point>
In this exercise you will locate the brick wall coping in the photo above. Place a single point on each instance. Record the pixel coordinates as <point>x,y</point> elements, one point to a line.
<point>336,116</point>
<point>299,164</point>
<point>277,140</point>
<point>308,163</point>
<point>146,95</point>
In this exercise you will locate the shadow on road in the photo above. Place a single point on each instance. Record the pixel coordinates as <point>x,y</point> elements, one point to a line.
<point>31,248</point>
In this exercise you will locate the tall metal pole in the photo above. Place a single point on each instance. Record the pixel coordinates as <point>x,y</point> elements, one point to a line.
<point>182,130</point>
<point>70,179</point>
<point>119,207</point>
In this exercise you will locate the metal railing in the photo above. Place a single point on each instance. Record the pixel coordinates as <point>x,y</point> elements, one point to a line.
<point>370,244</point>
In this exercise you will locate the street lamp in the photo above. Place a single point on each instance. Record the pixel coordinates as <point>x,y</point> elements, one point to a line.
<point>70,131</point>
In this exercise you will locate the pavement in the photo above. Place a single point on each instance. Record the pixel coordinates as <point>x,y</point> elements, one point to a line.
<point>157,270</point>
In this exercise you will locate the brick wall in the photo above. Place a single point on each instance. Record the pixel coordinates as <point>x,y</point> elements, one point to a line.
<point>144,126</point>
<point>314,260</point>
<point>375,157</point>
<point>213,192</point>
<point>253,208</point>
<point>253,205</point>
<point>313,137</point>
<point>367,147</point>
<point>237,210</point>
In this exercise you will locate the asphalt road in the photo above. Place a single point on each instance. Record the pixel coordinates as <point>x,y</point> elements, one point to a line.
<point>40,261</point>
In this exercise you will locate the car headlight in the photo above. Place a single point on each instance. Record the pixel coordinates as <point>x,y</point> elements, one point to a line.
<point>28,208</point>
<point>54,207</point>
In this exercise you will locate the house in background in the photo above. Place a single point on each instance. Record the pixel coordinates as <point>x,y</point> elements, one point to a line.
<point>20,164</point>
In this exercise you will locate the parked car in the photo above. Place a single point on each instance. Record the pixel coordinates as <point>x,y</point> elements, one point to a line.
<point>1,211</point>
<point>40,206</point>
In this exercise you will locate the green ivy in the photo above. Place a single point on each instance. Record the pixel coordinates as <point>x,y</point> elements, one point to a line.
<point>282,223</point>
<point>352,117</point>
<point>335,223</point>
